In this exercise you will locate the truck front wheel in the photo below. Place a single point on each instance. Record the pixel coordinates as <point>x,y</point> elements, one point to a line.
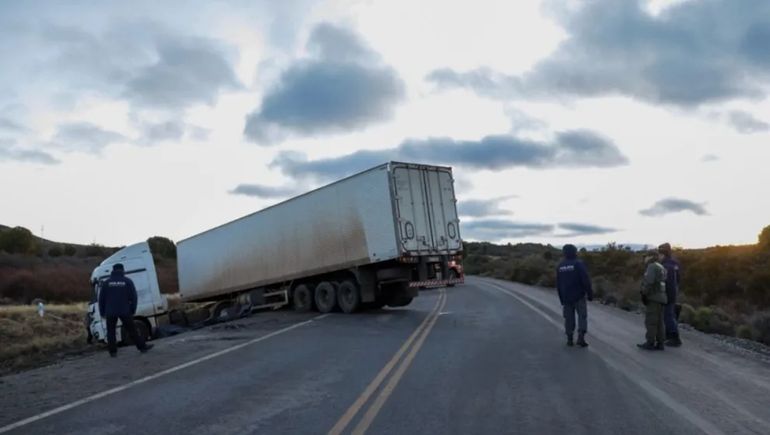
<point>303,299</point>
<point>326,297</point>
<point>349,296</point>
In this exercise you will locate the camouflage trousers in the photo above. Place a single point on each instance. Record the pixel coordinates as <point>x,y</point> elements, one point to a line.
<point>653,321</point>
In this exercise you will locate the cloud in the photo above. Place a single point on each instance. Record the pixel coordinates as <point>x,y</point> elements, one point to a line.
<point>569,149</point>
<point>342,87</point>
<point>263,191</point>
<point>575,230</point>
<point>674,205</point>
<point>11,125</point>
<point>692,53</point>
<point>188,71</point>
<point>84,137</point>
<point>497,229</point>
<point>10,152</point>
<point>483,207</point>
<point>170,130</point>
<point>141,61</point>
<point>746,123</point>
<point>709,158</point>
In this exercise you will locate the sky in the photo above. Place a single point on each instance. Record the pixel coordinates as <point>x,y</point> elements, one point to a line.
<point>584,122</point>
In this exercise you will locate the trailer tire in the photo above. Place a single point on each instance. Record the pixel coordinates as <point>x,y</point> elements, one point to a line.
<point>302,298</point>
<point>349,296</point>
<point>326,297</point>
<point>399,295</point>
<point>223,311</point>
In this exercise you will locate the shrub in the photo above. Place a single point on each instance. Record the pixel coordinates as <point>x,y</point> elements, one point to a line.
<point>713,320</point>
<point>95,250</point>
<point>55,252</point>
<point>744,331</point>
<point>162,247</point>
<point>69,250</point>
<point>687,315</point>
<point>761,323</point>
<point>18,240</point>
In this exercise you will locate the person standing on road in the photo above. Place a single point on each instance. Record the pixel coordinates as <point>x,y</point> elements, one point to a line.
<point>672,289</point>
<point>574,287</point>
<point>654,299</point>
<point>117,300</point>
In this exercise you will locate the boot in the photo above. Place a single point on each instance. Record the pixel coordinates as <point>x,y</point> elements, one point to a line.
<point>570,343</point>
<point>646,345</point>
<point>674,340</point>
<point>582,340</point>
<point>146,348</point>
<point>659,346</point>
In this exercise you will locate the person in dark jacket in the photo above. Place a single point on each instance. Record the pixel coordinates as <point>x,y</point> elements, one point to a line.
<point>574,287</point>
<point>117,300</point>
<point>673,278</point>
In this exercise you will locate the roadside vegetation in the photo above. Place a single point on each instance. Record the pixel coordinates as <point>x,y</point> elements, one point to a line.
<point>725,289</point>
<point>30,340</point>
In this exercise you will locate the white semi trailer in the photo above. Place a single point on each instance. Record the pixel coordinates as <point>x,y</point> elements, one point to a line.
<point>368,240</point>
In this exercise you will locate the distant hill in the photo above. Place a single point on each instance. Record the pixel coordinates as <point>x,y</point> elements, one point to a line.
<point>33,267</point>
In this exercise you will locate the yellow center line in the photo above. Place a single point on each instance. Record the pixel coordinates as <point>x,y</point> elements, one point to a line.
<point>375,408</point>
<point>351,412</point>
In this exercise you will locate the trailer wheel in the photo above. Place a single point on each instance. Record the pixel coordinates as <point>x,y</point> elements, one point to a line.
<point>326,297</point>
<point>349,296</point>
<point>223,311</point>
<point>302,299</point>
<point>400,301</point>
<point>399,295</point>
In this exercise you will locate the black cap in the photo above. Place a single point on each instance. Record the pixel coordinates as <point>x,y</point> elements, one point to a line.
<point>118,267</point>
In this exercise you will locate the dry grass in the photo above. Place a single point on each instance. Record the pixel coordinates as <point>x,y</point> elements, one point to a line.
<point>30,340</point>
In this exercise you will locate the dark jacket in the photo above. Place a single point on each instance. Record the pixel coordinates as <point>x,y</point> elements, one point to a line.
<point>117,296</point>
<point>672,278</point>
<point>572,281</point>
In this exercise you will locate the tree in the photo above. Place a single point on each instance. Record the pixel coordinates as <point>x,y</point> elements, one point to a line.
<point>764,238</point>
<point>18,240</point>
<point>69,250</point>
<point>55,251</point>
<point>162,247</point>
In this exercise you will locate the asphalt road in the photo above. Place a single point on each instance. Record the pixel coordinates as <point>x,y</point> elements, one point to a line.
<point>487,357</point>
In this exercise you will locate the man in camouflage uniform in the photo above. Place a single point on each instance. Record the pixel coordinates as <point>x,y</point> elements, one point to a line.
<point>673,276</point>
<point>654,299</point>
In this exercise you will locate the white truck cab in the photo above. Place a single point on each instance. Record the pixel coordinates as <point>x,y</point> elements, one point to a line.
<point>140,268</point>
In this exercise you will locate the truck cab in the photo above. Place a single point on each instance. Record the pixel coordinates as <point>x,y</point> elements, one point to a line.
<point>140,268</point>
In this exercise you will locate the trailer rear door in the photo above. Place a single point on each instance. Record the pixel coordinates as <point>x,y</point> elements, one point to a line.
<point>426,208</point>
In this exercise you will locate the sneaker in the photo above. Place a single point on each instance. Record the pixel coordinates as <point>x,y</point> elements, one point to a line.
<point>113,354</point>
<point>570,343</point>
<point>659,346</point>
<point>582,342</point>
<point>646,346</point>
<point>146,348</point>
<point>674,341</point>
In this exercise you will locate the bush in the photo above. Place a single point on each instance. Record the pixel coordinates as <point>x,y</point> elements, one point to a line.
<point>761,323</point>
<point>744,331</point>
<point>713,320</point>
<point>18,240</point>
<point>70,250</point>
<point>95,250</point>
<point>687,315</point>
<point>162,247</point>
<point>55,252</point>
